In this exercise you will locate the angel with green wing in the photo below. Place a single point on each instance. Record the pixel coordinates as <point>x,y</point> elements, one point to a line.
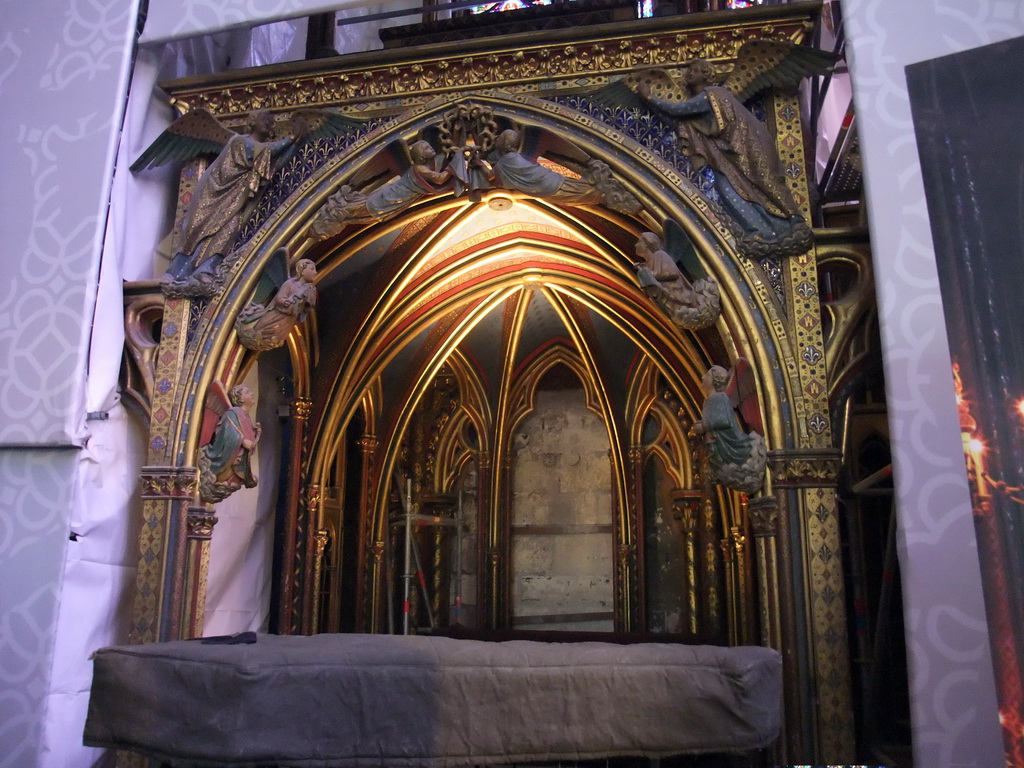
<point>229,190</point>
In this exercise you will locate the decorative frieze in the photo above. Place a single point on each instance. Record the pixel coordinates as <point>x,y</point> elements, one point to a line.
<point>525,67</point>
<point>169,482</point>
<point>808,468</point>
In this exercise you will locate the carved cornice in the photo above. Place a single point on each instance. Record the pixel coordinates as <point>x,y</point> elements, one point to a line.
<point>200,522</point>
<point>521,64</point>
<point>169,482</point>
<point>764,516</point>
<point>810,468</point>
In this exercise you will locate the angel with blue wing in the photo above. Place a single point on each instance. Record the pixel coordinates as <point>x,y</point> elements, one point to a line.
<point>714,128</point>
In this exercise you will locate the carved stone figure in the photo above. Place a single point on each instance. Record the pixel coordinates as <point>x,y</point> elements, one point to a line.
<point>688,305</point>
<point>230,188</point>
<point>225,462</point>
<point>266,326</point>
<point>715,129</point>
<point>347,206</point>
<point>515,170</point>
<point>736,459</point>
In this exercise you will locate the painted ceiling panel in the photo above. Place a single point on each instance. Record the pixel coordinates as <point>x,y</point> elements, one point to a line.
<point>540,326</point>
<point>617,355</point>
<point>483,348</point>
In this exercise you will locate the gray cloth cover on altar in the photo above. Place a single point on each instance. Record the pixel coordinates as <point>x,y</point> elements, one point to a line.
<point>381,700</point>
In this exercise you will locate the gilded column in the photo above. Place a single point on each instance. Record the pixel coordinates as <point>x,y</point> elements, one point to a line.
<point>709,554</point>
<point>686,505</point>
<point>167,493</point>
<point>167,488</point>
<point>763,513</point>
<point>199,523</point>
<point>290,605</point>
<point>320,546</point>
<point>311,557</point>
<point>810,476</point>
<point>816,512</point>
<point>368,604</point>
<point>485,514</point>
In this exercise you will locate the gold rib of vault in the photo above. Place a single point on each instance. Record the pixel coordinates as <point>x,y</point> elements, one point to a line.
<point>817,512</point>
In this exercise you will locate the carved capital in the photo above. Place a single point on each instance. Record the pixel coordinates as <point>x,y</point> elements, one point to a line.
<point>764,516</point>
<point>169,482</point>
<point>199,522</point>
<point>807,468</point>
<point>301,407</point>
<point>313,497</point>
<point>377,551</point>
<point>369,444</point>
<point>686,506</point>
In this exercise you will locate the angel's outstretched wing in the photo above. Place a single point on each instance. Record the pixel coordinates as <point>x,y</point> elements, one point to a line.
<point>762,64</point>
<point>391,161</point>
<point>537,142</point>
<point>191,135</point>
<point>679,246</point>
<point>273,277</point>
<point>742,392</point>
<point>217,403</point>
<point>624,93</point>
<point>310,124</point>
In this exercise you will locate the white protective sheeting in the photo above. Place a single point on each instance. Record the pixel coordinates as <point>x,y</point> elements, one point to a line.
<point>99,571</point>
<point>171,21</point>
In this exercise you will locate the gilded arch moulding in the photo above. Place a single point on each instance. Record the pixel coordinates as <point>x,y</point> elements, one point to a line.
<point>748,297</point>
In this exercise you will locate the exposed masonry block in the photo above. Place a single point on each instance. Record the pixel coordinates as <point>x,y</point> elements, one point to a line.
<point>562,476</point>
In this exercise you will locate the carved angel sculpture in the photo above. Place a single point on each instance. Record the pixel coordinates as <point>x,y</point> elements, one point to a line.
<point>225,460</point>
<point>688,305</point>
<point>715,129</point>
<point>418,178</point>
<point>516,167</point>
<point>230,188</point>
<point>266,322</point>
<point>737,459</point>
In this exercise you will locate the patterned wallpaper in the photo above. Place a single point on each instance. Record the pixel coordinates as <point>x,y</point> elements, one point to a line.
<point>61,66</point>
<point>62,75</point>
<point>954,709</point>
<point>35,498</point>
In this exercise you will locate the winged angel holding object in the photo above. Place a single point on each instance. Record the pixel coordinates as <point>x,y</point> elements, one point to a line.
<point>230,189</point>
<point>269,318</point>
<point>228,438</point>
<point>715,129</point>
<point>471,160</point>
<point>737,459</point>
<point>688,305</point>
